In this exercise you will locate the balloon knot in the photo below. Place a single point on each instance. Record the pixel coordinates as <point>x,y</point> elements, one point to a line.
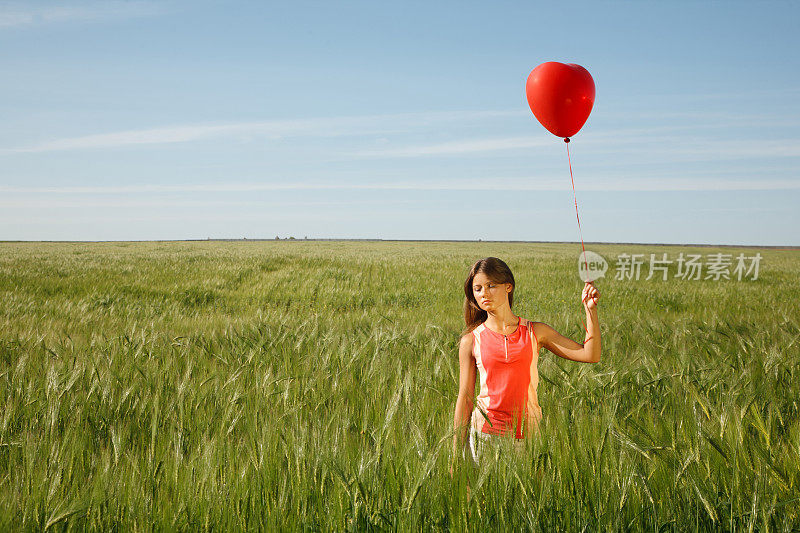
<point>566,139</point>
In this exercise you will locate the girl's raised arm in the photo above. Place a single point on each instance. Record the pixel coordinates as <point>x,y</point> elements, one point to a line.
<point>589,351</point>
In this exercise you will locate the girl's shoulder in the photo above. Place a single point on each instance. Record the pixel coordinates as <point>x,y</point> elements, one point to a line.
<point>533,327</point>
<point>467,341</point>
<point>469,335</point>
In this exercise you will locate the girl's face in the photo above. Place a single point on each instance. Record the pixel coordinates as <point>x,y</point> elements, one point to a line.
<point>488,294</point>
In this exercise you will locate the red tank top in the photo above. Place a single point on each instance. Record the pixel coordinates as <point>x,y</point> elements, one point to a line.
<point>509,378</point>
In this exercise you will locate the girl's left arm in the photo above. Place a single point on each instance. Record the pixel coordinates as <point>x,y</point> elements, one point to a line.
<point>589,351</point>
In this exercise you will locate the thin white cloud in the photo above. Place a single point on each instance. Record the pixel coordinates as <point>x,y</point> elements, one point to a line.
<point>738,149</point>
<point>459,147</point>
<point>16,15</point>
<point>133,137</point>
<point>275,129</point>
<point>675,147</point>
<point>470,146</point>
<point>71,201</point>
<point>693,120</point>
<point>532,183</point>
<point>653,143</point>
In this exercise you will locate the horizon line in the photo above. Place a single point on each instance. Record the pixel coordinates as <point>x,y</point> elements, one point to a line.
<point>356,239</point>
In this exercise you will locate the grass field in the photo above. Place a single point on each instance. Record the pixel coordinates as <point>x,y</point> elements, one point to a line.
<point>311,386</point>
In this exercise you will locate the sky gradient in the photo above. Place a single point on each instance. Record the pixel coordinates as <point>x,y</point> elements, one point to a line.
<point>185,120</point>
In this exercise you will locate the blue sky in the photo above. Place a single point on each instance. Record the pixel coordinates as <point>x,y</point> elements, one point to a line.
<point>402,120</point>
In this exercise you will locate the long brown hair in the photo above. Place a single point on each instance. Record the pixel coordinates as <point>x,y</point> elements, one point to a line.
<point>497,271</point>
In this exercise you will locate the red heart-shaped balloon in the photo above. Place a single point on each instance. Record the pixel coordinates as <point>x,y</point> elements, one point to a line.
<point>560,96</point>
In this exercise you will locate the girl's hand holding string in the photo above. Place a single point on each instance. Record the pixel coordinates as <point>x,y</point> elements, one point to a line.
<point>590,296</point>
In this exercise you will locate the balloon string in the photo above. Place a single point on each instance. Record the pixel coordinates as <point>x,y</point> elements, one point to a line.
<point>579,219</point>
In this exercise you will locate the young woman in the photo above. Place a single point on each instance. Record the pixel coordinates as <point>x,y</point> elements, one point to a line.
<point>502,350</point>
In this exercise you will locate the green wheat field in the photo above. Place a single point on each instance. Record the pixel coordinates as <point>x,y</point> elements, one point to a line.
<point>310,385</point>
